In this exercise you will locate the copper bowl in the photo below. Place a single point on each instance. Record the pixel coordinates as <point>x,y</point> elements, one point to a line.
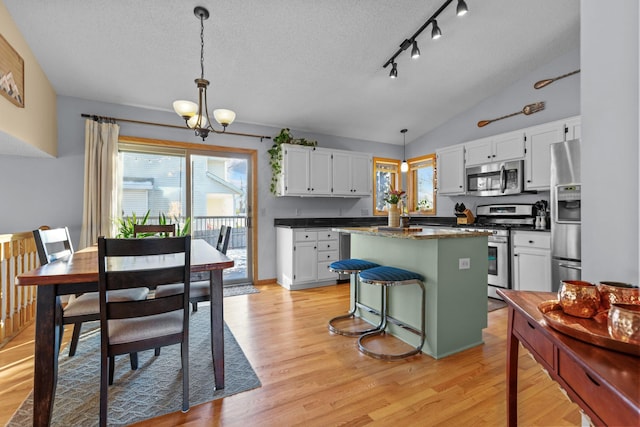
<point>617,292</point>
<point>624,323</point>
<point>579,298</point>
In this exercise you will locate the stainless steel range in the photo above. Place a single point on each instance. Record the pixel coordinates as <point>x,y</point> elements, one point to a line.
<point>500,220</point>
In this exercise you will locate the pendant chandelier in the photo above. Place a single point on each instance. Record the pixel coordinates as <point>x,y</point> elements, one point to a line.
<point>196,116</point>
<point>404,166</point>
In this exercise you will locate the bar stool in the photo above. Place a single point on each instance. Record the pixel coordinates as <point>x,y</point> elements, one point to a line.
<point>386,277</point>
<point>351,266</point>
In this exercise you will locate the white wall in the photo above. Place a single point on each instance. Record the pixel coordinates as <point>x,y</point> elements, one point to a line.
<point>610,117</point>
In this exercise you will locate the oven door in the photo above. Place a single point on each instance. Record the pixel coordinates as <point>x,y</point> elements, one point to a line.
<point>498,274</point>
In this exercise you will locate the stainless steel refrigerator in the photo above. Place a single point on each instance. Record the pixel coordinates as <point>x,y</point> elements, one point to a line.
<point>565,212</point>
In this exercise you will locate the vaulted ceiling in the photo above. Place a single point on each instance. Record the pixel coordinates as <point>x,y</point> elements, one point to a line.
<point>310,65</point>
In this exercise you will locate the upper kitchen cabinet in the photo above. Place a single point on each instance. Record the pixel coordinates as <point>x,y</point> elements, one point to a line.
<point>450,168</point>
<point>351,174</point>
<point>573,128</point>
<point>321,172</point>
<point>498,148</point>
<point>537,162</point>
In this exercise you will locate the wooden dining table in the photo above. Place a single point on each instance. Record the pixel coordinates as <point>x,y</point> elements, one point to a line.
<point>78,273</point>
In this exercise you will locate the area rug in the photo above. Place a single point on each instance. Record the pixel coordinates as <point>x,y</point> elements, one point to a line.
<point>235,290</point>
<point>495,304</point>
<point>154,389</point>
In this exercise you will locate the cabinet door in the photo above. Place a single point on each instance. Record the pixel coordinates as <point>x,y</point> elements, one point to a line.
<point>573,128</point>
<point>341,172</point>
<point>305,262</point>
<point>479,152</point>
<point>538,159</point>
<point>450,166</point>
<point>361,177</point>
<point>509,146</point>
<point>295,169</point>
<point>320,172</point>
<point>532,270</point>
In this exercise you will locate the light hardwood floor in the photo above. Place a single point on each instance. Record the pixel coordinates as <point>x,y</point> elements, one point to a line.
<point>313,378</point>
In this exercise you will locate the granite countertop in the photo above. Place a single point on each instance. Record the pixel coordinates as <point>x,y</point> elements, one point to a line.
<point>413,233</point>
<point>365,221</point>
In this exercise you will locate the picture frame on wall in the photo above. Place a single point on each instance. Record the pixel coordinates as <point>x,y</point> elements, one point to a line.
<point>11,73</point>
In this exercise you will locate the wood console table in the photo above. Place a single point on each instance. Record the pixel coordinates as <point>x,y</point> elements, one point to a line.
<point>604,383</point>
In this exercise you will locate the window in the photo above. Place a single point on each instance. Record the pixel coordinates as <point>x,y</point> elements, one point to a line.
<point>421,185</point>
<point>386,173</point>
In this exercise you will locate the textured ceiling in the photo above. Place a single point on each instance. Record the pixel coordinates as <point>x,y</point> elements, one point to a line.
<point>310,65</point>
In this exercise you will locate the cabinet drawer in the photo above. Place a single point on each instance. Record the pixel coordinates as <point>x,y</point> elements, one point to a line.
<point>306,236</point>
<point>327,256</point>
<point>328,235</point>
<point>324,273</point>
<point>611,409</point>
<point>327,245</point>
<point>534,239</point>
<point>539,345</point>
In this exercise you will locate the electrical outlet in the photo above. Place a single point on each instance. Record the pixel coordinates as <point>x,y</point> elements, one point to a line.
<point>340,212</point>
<point>364,212</point>
<point>298,211</point>
<point>464,263</point>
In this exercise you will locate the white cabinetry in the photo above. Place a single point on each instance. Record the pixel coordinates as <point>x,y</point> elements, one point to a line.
<point>573,128</point>
<point>352,174</point>
<point>303,256</point>
<point>313,171</point>
<point>531,260</point>
<point>450,166</point>
<point>508,146</point>
<point>537,162</point>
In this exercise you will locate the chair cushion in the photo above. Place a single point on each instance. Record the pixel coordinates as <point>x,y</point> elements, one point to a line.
<point>389,274</point>
<point>352,265</point>
<point>142,328</point>
<point>198,289</point>
<point>89,303</point>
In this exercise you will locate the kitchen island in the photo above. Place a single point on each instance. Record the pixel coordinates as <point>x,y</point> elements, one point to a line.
<point>454,264</point>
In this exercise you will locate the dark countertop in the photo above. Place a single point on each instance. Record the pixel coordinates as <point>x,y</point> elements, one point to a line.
<point>357,222</point>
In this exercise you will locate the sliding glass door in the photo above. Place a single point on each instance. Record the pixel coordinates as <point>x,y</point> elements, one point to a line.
<point>212,188</point>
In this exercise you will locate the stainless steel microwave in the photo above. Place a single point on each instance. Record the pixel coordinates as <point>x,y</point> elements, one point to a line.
<point>496,179</point>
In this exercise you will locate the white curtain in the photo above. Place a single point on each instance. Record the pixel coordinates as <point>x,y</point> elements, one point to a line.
<point>101,173</point>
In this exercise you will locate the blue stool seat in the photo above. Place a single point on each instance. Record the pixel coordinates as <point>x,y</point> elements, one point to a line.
<point>389,275</point>
<point>386,277</point>
<point>351,266</point>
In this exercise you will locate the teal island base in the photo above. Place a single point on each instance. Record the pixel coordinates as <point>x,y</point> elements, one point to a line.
<point>455,297</point>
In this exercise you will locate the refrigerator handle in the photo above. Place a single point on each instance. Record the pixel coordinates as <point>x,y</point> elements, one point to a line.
<point>572,267</point>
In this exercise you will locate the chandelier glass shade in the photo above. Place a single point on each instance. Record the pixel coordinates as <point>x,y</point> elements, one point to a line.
<point>196,116</point>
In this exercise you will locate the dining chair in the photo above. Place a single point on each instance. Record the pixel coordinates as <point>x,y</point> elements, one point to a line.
<point>133,326</point>
<point>53,244</point>
<point>147,230</point>
<point>200,290</point>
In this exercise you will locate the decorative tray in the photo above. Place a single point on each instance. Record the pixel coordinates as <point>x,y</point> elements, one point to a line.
<point>593,331</point>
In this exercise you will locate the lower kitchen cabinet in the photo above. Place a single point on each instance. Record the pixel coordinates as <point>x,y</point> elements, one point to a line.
<point>303,256</point>
<point>531,265</point>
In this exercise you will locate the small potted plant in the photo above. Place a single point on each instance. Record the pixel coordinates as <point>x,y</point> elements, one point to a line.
<point>275,154</point>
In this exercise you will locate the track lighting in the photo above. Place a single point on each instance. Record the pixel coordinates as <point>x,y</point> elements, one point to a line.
<point>415,52</point>
<point>436,33</point>
<point>461,9</point>
<point>404,167</point>
<point>394,71</point>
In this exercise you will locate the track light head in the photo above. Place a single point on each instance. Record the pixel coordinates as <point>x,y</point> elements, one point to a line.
<point>394,71</point>
<point>461,10</point>
<point>435,31</point>
<point>415,52</point>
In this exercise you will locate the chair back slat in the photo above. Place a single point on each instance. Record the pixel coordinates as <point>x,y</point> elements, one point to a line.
<point>153,229</point>
<point>52,244</point>
<point>144,278</point>
<point>134,247</point>
<point>149,307</point>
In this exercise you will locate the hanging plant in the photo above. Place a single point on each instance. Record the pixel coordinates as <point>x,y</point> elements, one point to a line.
<point>275,154</point>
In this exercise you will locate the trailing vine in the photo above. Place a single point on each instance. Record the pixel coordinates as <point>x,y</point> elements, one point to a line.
<point>275,154</point>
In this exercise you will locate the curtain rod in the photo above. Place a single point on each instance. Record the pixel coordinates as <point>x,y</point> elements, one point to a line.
<point>96,118</point>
